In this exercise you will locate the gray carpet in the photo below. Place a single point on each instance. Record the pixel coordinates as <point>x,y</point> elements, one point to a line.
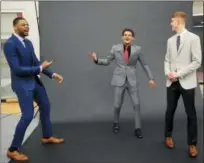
<point>94,142</point>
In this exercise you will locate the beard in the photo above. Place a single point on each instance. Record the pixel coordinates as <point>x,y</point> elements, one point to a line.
<point>23,34</point>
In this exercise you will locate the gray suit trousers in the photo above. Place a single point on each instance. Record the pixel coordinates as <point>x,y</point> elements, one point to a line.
<point>119,98</point>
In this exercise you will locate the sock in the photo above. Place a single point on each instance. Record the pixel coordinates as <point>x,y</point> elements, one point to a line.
<point>46,137</point>
<point>12,149</point>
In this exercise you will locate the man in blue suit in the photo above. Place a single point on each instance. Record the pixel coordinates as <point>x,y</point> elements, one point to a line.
<point>25,68</point>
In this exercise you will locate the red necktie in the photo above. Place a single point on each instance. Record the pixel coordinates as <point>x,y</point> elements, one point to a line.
<point>126,55</point>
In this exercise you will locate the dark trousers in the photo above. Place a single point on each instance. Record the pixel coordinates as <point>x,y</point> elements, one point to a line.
<point>173,94</point>
<point>26,98</point>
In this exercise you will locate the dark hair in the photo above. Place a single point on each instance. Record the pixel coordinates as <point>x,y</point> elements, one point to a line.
<point>128,30</point>
<point>16,20</point>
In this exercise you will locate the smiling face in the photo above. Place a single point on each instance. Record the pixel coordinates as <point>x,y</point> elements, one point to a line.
<point>127,37</point>
<point>22,27</point>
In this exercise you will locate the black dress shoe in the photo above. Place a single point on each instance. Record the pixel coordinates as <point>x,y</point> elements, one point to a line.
<point>138,133</point>
<point>116,128</point>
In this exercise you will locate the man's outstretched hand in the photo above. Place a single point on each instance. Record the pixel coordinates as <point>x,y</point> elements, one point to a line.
<point>93,56</point>
<point>57,77</point>
<point>152,83</point>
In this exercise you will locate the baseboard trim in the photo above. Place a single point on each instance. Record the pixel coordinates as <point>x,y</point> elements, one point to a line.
<point>9,100</point>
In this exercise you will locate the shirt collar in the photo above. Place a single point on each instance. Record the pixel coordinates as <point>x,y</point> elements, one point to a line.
<point>21,39</point>
<point>125,46</point>
<point>182,33</point>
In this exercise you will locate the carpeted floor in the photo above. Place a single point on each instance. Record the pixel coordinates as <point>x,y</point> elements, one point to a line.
<point>94,142</point>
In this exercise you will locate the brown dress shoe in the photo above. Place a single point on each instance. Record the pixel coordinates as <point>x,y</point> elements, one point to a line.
<point>52,140</point>
<point>193,152</point>
<point>17,156</point>
<point>169,142</point>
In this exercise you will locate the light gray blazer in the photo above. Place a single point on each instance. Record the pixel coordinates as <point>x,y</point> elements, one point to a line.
<point>122,69</point>
<point>185,61</point>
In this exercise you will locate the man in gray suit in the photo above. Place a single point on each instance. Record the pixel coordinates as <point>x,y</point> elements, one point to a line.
<point>126,57</point>
<point>183,58</point>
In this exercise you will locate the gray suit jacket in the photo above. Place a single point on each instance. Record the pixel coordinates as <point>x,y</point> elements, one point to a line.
<point>185,61</point>
<point>122,69</point>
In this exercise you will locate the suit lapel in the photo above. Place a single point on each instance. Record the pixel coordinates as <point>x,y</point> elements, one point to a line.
<point>183,39</point>
<point>19,44</point>
<point>133,49</point>
<point>28,48</point>
<point>174,46</point>
<point>121,49</point>
<point>24,50</point>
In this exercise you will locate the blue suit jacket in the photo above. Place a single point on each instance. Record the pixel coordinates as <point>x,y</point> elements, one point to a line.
<point>23,63</point>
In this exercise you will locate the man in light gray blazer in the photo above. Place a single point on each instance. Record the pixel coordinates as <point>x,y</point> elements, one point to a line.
<point>126,57</point>
<point>183,58</point>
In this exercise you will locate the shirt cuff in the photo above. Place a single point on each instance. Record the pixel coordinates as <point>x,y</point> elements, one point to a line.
<point>41,69</point>
<point>53,75</point>
<point>96,61</point>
